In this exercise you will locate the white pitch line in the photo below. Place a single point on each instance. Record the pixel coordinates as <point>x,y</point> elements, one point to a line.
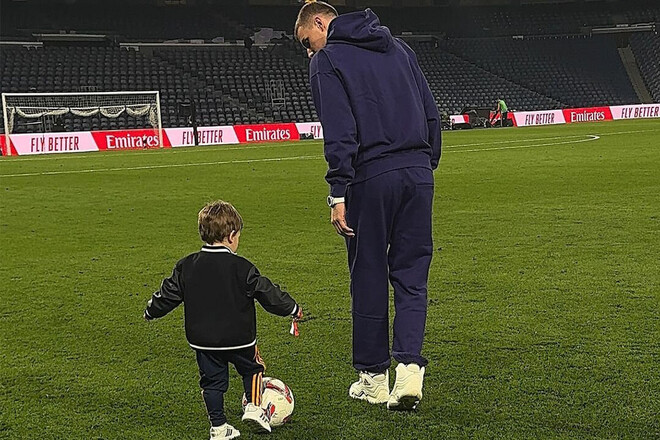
<point>151,167</point>
<point>592,137</point>
<point>630,132</point>
<point>547,138</point>
<point>511,141</point>
<point>204,149</point>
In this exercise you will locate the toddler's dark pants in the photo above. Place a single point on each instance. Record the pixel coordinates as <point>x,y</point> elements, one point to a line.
<point>214,377</point>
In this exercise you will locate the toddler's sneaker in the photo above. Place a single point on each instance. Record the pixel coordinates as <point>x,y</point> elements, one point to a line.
<point>407,391</point>
<point>224,432</point>
<point>372,387</point>
<point>257,418</point>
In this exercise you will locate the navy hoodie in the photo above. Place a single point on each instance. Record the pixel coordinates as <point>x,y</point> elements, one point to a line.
<point>375,106</point>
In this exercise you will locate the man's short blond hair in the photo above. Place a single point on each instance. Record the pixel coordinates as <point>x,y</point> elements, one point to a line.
<point>217,220</point>
<point>309,10</point>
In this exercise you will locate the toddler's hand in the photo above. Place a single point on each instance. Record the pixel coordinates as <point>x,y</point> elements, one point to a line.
<point>294,323</point>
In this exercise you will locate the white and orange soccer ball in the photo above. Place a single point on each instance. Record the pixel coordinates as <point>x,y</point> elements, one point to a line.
<point>277,399</point>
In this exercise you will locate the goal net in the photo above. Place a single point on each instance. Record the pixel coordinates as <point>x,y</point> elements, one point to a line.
<point>51,112</point>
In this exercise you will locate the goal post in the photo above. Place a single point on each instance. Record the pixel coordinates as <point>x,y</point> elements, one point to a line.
<point>20,110</point>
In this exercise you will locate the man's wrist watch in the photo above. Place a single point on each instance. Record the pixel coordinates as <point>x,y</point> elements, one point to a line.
<point>333,201</point>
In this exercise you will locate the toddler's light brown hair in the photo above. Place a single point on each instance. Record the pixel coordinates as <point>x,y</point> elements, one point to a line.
<point>217,220</point>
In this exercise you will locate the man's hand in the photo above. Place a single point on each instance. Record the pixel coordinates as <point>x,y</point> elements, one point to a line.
<point>338,220</point>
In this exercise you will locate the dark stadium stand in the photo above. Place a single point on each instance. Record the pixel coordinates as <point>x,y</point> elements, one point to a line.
<point>473,21</point>
<point>646,48</point>
<point>244,76</point>
<point>140,22</point>
<point>457,83</point>
<point>67,69</point>
<point>575,71</point>
<point>128,22</point>
<point>498,21</point>
<point>643,14</point>
<point>471,60</point>
<point>229,85</point>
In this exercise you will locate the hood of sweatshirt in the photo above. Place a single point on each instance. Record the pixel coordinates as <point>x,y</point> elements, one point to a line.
<point>360,29</point>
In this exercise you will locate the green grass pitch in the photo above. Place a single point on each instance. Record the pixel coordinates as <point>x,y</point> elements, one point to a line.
<point>544,303</point>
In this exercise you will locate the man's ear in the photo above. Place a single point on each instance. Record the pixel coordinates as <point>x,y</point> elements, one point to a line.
<point>318,22</point>
<point>232,236</point>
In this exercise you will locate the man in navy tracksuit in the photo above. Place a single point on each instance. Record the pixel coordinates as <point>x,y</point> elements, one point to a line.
<point>381,140</point>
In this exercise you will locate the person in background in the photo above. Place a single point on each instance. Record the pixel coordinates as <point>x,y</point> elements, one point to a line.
<point>502,111</point>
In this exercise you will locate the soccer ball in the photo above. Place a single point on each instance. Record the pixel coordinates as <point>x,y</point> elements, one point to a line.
<point>277,400</point>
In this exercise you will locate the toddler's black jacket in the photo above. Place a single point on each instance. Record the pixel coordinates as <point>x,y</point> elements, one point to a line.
<point>218,289</point>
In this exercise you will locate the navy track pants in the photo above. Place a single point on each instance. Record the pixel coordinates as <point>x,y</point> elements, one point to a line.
<point>391,217</point>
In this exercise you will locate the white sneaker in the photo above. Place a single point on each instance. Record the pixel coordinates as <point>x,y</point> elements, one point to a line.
<point>225,431</point>
<point>374,388</point>
<point>407,391</point>
<point>256,418</point>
